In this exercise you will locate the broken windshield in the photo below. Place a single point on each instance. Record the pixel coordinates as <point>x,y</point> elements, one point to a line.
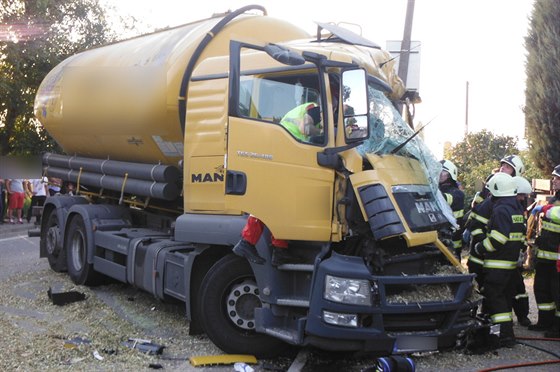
<point>388,130</point>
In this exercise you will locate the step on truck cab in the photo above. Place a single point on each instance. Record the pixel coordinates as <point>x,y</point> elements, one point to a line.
<point>175,137</point>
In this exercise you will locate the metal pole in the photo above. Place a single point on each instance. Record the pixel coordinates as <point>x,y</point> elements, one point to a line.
<point>405,44</point>
<point>467,111</point>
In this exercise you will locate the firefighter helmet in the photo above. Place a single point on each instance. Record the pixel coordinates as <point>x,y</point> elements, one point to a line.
<point>502,184</point>
<point>450,168</point>
<point>515,162</point>
<point>523,186</point>
<point>556,171</point>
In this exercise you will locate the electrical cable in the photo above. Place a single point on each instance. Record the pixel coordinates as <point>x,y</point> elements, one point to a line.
<point>510,366</point>
<point>540,349</point>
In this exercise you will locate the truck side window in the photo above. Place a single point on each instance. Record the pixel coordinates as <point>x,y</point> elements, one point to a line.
<point>292,101</point>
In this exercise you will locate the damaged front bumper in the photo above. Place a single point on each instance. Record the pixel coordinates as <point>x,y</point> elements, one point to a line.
<point>399,314</point>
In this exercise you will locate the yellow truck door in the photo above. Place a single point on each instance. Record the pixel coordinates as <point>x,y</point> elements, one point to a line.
<point>271,170</point>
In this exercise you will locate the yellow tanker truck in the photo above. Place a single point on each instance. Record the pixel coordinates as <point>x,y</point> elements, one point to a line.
<point>173,138</point>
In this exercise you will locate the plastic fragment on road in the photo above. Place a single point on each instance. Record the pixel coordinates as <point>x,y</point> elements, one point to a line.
<point>75,342</point>
<point>63,298</point>
<point>205,360</point>
<point>97,355</point>
<point>145,346</point>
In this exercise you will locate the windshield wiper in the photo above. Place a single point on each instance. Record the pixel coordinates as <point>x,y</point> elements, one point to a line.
<point>399,147</point>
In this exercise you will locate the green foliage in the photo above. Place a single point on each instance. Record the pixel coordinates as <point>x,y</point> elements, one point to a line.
<point>542,94</point>
<point>477,155</point>
<point>37,35</point>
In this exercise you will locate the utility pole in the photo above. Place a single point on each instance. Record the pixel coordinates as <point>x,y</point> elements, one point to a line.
<point>467,111</point>
<point>405,44</point>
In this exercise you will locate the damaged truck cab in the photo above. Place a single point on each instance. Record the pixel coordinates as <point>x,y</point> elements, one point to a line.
<point>165,185</point>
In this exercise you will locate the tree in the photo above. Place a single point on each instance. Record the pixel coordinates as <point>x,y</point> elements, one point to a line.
<point>35,35</point>
<point>542,93</point>
<point>477,155</point>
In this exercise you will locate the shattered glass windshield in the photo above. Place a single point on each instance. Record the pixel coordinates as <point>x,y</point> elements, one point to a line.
<point>388,130</point>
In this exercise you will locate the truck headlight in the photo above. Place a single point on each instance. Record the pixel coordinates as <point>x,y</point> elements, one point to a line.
<point>347,291</point>
<point>340,319</point>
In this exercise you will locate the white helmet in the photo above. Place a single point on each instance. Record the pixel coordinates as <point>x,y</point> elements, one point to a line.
<point>515,162</point>
<point>523,186</point>
<point>502,184</point>
<point>450,168</point>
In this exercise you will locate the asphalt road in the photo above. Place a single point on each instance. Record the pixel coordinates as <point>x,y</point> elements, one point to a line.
<point>149,318</point>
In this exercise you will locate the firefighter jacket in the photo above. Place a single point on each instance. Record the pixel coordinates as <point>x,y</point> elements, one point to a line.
<point>476,224</point>
<point>456,200</point>
<point>505,237</point>
<point>548,241</point>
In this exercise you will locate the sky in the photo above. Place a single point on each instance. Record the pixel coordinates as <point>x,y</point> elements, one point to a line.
<point>477,41</point>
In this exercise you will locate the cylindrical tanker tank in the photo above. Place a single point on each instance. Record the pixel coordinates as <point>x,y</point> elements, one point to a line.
<point>120,101</point>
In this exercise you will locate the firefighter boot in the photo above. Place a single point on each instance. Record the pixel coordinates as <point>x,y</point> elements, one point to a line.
<point>545,321</point>
<point>507,338</point>
<point>554,332</point>
<point>521,309</point>
<point>248,250</point>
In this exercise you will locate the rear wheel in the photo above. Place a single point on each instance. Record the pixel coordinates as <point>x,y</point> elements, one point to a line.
<point>229,298</point>
<point>76,246</point>
<point>52,241</point>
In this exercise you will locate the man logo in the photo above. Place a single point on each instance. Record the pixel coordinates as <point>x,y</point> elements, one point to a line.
<point>207,177</point>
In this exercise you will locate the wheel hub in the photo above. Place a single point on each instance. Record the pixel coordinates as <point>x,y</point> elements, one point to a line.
<point>52,239</point>
<point>241,304</point>
<point>78,251</point>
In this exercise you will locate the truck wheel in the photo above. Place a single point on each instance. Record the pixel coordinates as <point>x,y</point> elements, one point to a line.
<point>76,245</point>
<point>50,237</point>
<point>229,298</point>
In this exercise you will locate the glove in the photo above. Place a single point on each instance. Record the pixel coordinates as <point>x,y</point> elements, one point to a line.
<point>466,236</point>
<point>522,258</point>
<point>479,249</point>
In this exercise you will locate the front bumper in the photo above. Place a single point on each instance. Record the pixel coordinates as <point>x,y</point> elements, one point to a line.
<point>393,323</point>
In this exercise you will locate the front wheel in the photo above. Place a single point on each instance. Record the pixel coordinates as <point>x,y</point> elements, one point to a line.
<point>229,298</point>
<point>76,246</point>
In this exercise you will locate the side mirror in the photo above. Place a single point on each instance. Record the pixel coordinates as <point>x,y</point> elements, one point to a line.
<point>355,105</point>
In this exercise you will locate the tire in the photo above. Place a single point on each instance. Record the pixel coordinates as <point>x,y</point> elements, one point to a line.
<point>76,247</point>
<point>229,296</point>
<point>51,240</point>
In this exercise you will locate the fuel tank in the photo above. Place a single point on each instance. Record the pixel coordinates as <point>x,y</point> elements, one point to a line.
<point>120,101</point>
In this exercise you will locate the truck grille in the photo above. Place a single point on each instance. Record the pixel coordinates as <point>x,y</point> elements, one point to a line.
<point>413,322</point>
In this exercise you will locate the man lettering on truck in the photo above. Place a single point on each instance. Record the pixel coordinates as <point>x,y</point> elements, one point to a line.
<point>303,122</point>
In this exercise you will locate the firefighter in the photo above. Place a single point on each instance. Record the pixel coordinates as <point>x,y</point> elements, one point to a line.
<point>476,225</point>
<point>521,297</point>
<point>456,200</point>
<point>500,250</point>
<point>512,165</point>
<point>546,286</point>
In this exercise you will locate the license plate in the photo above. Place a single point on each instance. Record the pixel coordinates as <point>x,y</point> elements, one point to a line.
<point>411,344</point>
